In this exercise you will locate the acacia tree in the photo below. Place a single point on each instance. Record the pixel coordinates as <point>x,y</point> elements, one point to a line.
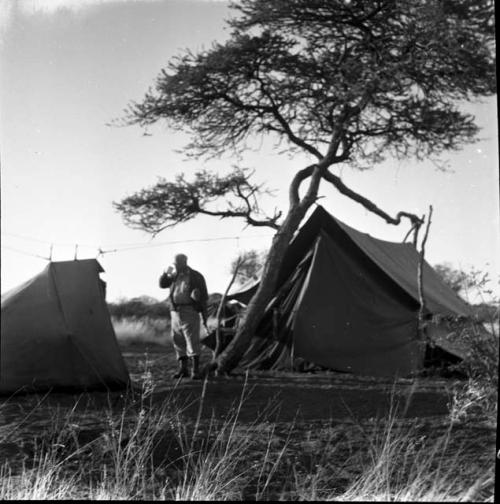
<point>247,265</point>
<point>345,82</point>
<point>457,280</point>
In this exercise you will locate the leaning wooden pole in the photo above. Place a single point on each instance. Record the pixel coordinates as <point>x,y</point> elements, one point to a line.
<point>218,342</point>
<point>420,276</point>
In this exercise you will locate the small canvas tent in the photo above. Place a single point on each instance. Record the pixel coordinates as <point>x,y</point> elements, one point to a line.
<point>56,332</point>
<point>349,302</point>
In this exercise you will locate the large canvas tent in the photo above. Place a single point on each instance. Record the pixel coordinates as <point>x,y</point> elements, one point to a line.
<point>349,302</point>
<point>56,332</point>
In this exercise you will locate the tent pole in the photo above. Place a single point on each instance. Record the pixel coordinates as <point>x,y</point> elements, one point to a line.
<point>220,309</point>
<point>421,325</point>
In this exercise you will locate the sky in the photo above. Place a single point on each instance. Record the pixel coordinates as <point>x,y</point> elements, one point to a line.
<point>68,68</point>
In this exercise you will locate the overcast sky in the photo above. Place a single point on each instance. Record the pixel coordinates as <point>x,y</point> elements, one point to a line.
<point>69,68</point>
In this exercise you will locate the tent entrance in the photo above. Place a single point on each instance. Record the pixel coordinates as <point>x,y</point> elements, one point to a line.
<point>272,346</point>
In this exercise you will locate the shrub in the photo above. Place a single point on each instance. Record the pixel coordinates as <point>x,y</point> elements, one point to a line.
<point>480,340</point>
<point>139,308</point>
<point>144,330</point>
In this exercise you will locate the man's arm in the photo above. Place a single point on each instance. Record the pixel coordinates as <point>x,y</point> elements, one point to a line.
<point>204,300</point>
<point>200,287</point>
<point>166,280</point>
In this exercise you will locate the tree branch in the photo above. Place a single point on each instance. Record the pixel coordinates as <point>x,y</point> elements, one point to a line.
<point>299,177</point>
<point>421,326</point>
<point>284,124</point>
<point>223,214</point>
<point>369,205</point>
<point>169,203</point>
<point>222,304</point>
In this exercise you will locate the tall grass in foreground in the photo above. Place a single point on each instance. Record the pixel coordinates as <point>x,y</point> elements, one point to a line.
<point>149,451</point>
<point>401,467</point>
<point>141,452</point>
<point>397,467</point>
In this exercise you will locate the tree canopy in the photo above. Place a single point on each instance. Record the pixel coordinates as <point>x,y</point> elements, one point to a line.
<point>348,82</point>
<point>390,72</point>
<point>248,265</point>
<point>456,279</point>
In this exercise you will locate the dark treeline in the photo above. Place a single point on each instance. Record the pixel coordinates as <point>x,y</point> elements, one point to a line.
<point>145,306</point>
<point>141,307</point>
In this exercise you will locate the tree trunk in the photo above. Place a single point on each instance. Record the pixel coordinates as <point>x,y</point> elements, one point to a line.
<point>229,359</point>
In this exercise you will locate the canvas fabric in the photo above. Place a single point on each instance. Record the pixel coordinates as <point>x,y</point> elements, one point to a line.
<point>56,332</point>
<point>350,320</point>
<point>349,302</point>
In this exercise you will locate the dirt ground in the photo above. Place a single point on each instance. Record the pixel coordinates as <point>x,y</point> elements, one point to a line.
<point>308,402</point>
<point>285,396</point>
<point>290,396</point>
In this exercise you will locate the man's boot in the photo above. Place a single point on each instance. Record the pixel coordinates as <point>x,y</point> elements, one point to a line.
<point>183,368</point>
<point>195,370</point>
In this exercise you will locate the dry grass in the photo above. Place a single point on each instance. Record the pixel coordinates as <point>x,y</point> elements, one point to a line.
<point>143,330</point>
<point>402,466</point>
<point>147,451</point>
<point>130,330</point>
<point>156,452</point>
<point>478,396</point>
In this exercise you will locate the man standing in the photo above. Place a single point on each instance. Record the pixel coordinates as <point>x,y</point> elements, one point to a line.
<point>188,300</point>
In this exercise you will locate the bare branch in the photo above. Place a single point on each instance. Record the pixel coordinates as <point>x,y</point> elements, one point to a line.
<point>218,343</point>
<point>368,204</point>
<point>286,126</point>
<point>223,214</point>
<point>421,326</point>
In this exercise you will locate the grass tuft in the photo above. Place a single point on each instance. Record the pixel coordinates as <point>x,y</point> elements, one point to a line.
<point>139,449</point>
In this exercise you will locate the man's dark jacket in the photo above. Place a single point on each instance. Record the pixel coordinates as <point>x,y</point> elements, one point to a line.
<point>196,281</point>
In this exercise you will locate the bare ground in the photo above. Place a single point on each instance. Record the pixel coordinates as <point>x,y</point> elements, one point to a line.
<point>303,411</point>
